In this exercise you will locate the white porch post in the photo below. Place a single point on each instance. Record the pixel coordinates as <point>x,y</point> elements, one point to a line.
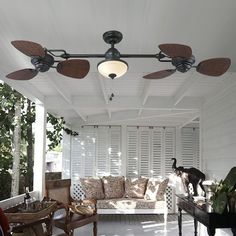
<point>40,149</point>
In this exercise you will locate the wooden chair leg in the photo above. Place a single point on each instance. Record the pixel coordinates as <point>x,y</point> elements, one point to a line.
<point>95,228</point>
<point>69,232</point>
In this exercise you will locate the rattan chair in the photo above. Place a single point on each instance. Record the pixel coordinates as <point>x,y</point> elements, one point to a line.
<point>59,190</point>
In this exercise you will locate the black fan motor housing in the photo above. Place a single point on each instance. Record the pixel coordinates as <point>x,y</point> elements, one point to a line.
<point>42,64</point>
<point>183,64</point>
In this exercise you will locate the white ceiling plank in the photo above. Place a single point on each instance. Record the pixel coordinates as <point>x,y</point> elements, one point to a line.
<point>58,85</point>
<point>27,89</point>
<point>90,97</point>
<point>154,103</point>
<point>228,83</point>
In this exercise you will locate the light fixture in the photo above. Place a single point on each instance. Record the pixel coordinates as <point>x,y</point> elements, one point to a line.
<point>112,67</point>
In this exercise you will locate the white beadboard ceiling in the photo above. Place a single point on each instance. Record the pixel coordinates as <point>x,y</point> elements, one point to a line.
<point>207,26</point>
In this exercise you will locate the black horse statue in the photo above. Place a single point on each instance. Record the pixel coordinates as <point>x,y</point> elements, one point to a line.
<point>189,176</point>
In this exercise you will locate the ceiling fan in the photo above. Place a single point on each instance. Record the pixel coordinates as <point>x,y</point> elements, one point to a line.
<point>71,65</point>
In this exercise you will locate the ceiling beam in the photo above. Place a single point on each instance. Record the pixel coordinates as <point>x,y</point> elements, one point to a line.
<point>104,92</point>
<point>189,120</point>
<point>133,103</point>
<point>60,88</point>
<point>181,92</point>
<point>145,94</point>
<point>80,115</point>
<point>65,94</point>
<point>132,116</point>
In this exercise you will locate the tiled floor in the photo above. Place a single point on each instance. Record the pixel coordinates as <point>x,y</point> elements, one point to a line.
<point>143,225</point>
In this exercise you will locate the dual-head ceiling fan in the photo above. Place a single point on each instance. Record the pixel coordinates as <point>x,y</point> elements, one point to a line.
<point>71,65</point>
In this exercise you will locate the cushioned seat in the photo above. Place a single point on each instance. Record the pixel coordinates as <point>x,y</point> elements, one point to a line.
<point>129,203</point>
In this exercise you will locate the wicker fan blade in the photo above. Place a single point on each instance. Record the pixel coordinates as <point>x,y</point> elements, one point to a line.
<point>29,48</point>
<point>176,50</point>
<point>75,68</point>
<point>25,74</point>
<point>214,66</point>
<point>159,74</point>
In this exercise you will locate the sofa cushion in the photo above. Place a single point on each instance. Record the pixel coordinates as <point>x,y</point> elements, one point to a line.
<point>135,187</point>
<point>130,203</point>
<point>156,189</point>
<point>92,187</point>
<point>113,186</point>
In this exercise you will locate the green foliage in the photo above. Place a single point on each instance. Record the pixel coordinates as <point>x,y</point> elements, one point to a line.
<point>224,190</point>
<point>8,98</point>
<point>55,134</point>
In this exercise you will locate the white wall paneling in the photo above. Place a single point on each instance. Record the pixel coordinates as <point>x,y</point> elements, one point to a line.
<point>219,134</point>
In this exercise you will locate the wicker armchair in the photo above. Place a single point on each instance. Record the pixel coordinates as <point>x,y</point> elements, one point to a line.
<point>74,216</point>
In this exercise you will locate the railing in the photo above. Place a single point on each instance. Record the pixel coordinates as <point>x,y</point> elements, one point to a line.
<point>10,202</point>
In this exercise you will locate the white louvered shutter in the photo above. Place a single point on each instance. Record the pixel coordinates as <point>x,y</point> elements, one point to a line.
<point>77,153</point>
<point>102,157</point>
<point>90,138</point>
<point>132,152</point>
<point>156,150</point>
<point>115,157</point>
<point>190,147</point>
<point>169,149</point>
<point>144,151</point>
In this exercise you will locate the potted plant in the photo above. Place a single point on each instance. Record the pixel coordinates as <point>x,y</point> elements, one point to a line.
<point>225,194</point>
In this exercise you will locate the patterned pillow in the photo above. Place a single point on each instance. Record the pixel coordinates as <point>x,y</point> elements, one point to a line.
<point>113,186</point>
<point>92,188</point>
<point>135,187</point>
<point>162,189</point>
<point>156,189</point>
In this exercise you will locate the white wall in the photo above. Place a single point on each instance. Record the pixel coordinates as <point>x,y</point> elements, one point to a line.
<point>218,134</point>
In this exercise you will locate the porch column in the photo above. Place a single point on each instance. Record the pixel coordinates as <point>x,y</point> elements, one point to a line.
<point>40,149</point>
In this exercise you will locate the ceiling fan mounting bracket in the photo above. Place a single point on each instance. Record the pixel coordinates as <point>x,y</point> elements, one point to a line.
<point>112,37</point>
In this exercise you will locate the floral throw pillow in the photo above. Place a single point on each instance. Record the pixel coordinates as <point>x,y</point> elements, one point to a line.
<point>135,187</point>
<point>113,186</point>
<point>93,188</point>
<point>162,189</point>
<point>156,189</point>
